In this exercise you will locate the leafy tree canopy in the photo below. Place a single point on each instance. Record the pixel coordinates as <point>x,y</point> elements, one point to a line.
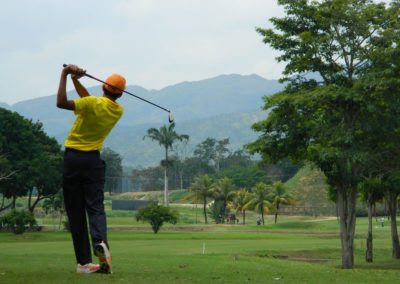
<point>34,157</point>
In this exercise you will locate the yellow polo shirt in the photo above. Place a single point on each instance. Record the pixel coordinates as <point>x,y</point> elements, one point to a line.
<point>96,116</point>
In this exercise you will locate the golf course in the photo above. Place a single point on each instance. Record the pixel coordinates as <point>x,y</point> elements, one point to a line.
<point>295,250</point>
<point>200,142</point>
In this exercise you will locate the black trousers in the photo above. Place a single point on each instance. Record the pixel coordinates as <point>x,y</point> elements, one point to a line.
<point>83,187</point>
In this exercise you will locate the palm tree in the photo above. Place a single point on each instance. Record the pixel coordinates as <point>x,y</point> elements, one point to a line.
<point>239,202</point>
<point>223,190</point>
<point>259,199</point>
<point>280,196</point>
<point>166,136</point>
<point>201,189</point>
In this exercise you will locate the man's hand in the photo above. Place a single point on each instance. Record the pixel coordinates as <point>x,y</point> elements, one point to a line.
<point>75,71</point>
<point>76,76</point>
<point>62,100</point>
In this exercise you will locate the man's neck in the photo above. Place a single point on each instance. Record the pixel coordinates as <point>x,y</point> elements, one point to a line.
<point>114,99</point>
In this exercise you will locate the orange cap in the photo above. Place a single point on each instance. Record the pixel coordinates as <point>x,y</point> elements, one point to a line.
<point>115,80</point>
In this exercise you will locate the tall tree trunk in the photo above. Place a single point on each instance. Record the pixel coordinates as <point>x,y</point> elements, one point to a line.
<point>369,251</point>
<point>166,178</point>
<point>244,217</point>
<point>346,200</point>
<point>392,202</point>
<point>224,217</point>
<point>276,213</point>
<point>262,215</point>
<point>205,209</point>
<point>166,186</point>
<point>14,202</point>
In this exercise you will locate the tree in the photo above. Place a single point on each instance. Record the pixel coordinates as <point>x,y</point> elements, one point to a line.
<point>156,215</point>
<point>181,153</point>
<point>47,172</point>
<point>165,136</point>
<point>32,157</point>
<point>381,82</point>
<point>371,191</point>
<point>212,152</point>
<point>217,211</point>
<point>205,151</point>
<point>113,174</point>
<point>148,179</point>
<point>392,194</point>
<point>5,169</point>
<point>239,158</point>
<point>223,190</point>
<point>221,151</point>
<point>192,167</point>
<point>243,176</point>
<point>201,190</point>
<point>320,116</point>
<point>45,168</point>
<point>5,174</point>
<point>279,196</point>
<point>259,200</point>
<point>239,202</point>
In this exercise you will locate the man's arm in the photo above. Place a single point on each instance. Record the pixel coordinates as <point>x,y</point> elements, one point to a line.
<point>80,89</point>
<point>62,100</point>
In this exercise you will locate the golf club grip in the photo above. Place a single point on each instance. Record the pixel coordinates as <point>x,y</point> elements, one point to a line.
<point>94,78</point>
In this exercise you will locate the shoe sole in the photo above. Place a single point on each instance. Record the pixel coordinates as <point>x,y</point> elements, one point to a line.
<point>87,271</point>
<point>105,267</point>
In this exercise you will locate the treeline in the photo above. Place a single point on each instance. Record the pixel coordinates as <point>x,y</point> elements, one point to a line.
<point>212,157</point>
<point>220,196</point>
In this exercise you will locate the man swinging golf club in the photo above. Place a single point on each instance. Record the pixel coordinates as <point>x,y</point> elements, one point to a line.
<point>84,170</point>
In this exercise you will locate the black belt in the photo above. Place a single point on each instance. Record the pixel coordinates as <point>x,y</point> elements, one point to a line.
<point>80,151</point>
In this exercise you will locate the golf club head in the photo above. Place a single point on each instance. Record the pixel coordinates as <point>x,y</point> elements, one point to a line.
<point>170,117</point>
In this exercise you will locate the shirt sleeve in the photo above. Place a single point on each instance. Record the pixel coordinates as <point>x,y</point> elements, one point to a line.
<point>83,104</point>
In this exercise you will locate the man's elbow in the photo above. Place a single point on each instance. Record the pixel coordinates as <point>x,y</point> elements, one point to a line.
<point>60,105</point>
<point>65,105</point>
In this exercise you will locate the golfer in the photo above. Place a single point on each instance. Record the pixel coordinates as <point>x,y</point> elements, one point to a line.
<point>84,170</point>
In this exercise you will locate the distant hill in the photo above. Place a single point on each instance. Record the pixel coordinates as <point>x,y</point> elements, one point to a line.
<point>220,107</point>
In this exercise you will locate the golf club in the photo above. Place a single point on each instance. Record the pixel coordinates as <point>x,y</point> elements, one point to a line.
<point>170,115</point>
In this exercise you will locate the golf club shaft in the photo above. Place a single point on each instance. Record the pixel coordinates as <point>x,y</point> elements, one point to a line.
<point>129,93</point>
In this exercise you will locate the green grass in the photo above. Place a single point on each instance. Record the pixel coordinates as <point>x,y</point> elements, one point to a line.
<point>296,250</point>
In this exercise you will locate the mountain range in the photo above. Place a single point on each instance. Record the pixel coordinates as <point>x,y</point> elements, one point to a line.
<point>221,107</point>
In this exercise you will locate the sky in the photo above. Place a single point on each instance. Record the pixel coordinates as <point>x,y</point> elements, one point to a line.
<point>152,43</point>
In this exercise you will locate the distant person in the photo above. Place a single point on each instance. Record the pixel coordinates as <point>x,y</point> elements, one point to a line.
<point>84,170</point>
<point>382,222</point>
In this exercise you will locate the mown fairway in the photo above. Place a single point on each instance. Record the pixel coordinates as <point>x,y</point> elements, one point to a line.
<point>296,250</point>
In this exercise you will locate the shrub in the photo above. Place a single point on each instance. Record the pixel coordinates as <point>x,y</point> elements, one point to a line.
<point>156,215</point>
<point>18,222</point>
<point>216,211</point>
